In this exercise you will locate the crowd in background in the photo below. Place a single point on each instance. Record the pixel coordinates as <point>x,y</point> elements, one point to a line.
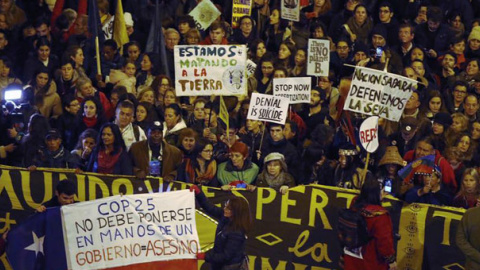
<point>126,118</point>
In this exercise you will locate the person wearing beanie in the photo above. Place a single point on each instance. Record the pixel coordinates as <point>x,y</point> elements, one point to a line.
<point>238,170</point>
<point>387,174</point>
<point>275,174</point>
<point>473,48</point>
<point>383,53</point>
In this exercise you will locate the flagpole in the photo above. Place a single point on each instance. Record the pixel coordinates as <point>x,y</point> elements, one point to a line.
<point>365,169</point>
<point>97,54</point>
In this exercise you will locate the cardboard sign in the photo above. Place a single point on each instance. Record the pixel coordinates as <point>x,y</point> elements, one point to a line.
<point>291,10</point>
<point>297,90</point>
<point>369,134</point>
<point>375,92</point>
<point>240,8</point>
<point>131,229</point>
<point>210,70</point>
<point>268,108</point>
<point>204,14</point>
<point>318,57</point>
<point>251,67</point>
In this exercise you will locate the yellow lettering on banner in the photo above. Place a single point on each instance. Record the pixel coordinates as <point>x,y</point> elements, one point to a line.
<point>81,190</point>
<point>318,207</point>
<point>148,185</point>
<point>322,247</point>
<point>348,196</point>
<point>93,183</point>
<point>27,194</point>
<point>286,202</point>
<point>446,225</point>
<point>117,183</point>
<point>6,184</point>
<point>267,266</point>
<point>264,200</point>
<point>4,261</point>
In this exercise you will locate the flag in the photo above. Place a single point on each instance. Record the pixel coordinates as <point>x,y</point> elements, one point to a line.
<point>156,40</point>
<point>95,29</point>
<point>37,243</point>
<point>423,165</point>
<point>223,114</point>
<point>119,27</point>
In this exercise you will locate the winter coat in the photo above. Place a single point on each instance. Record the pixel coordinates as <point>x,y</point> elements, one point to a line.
<point>229,245</point>
<point>379,251</point>
<point>52,104</point>
<point>468,238</point>
<point>227,173</point>
<point>140,155</point>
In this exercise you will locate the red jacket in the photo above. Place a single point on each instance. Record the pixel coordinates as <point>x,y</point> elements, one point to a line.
<point>378,250</point>
<point>208,41</point>
<point>448,176</point>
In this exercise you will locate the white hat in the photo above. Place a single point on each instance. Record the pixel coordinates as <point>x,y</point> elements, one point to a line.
<point>128,19</point>
<point>274,156</point>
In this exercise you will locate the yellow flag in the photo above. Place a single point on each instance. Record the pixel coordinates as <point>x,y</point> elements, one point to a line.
<point>224,113</point>
<point>119,27</point>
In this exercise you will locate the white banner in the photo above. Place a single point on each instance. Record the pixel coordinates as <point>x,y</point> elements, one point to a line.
<point>375,92</point>
<point>268,108</point>
<point>204,70</point>
<point>291,10</point>
<point>204,14</point>
<point>131,229</point>
<point>251,67</point>
<point>296,89</point>
<point>318,57</point>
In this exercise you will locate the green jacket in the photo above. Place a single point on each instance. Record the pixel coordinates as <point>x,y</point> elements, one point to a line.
<point>226,173</point>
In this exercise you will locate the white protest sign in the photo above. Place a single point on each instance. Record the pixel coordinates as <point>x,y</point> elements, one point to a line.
<point>210,70</point>
<point>251,67</point>
<point>369,134</point>
<point>296,89</point>
<point>318,57</point>
<point>204,14</point>
<point>291,10</point>
<point>375,92</point>
<point>240,8</point>
<point>268,108</point>
<point>131,229</point>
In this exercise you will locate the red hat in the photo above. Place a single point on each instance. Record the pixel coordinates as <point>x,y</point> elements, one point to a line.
<point>239,147</point>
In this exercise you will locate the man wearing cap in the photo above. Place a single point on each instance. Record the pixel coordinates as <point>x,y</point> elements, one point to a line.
<point>54,155</point>
<point>424,148</point>
<point>407,137</point>
<point>154,156</point>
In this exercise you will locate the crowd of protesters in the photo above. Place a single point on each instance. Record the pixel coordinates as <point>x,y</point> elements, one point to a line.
<point>126,118</point>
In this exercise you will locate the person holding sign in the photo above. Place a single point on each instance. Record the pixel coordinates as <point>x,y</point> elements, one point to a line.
<point>239,170</point>
<point>234,222</point>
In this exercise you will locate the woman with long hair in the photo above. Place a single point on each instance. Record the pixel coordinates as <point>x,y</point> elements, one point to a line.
<point>90,115</point>
<point>148,70</point>
<point>75,53</point>
<point>44,93</point>
<point>300,67</point>
<point>35,139</point>
<point>277,30</point>
<point>379,252</point>
<point>286,56</point>
<point>85,145</point>
<point>174,123</point>
<point>160,85</point>
<point>262,80</point>
<point>145,115</point>
<point>201,169</point>
<point>469,194</point>
<point>459,125</point>
<point>234,223</point>
<point>434,103</point>
<point>110,156</point>
<point>257,50</point>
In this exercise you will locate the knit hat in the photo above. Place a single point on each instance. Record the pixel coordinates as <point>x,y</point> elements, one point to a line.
<point>475,34</point>
<point>380,30</point>
<point>273,156</point>
<point>443,119</point>
<point>128,19</point>
<point>360,47</point>
<point>239,147</point>
<point>391,156</point>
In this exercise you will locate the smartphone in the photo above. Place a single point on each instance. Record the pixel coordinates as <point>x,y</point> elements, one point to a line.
<point>387,189</point>
<point>379,52</point>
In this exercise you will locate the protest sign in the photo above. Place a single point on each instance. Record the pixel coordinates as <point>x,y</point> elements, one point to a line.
<point>204,14</point>
<point>318,57</point>
<point>297,90</point>
<point>375,92</point>
<point>124,230</point>
<point>291,10</point>
<point>240,8</point>
<point>268,108</point>
<point>369,134</point>
<point>210,70</point>
<point>251,67</point>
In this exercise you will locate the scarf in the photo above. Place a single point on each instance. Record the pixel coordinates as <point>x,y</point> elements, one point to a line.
<point>106,162</point>
<point>201,178</point>
<point>275,182</point>
<point>90,122</point>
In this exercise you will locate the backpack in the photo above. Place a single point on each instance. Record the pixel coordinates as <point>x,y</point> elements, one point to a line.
<point>352,228</point>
